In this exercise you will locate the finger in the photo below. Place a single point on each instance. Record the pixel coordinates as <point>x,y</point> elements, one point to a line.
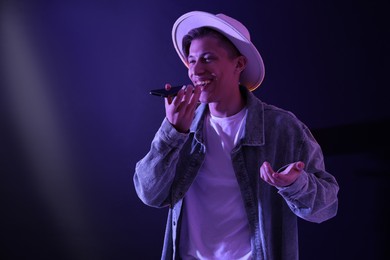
<point>294,167</point>
<point>179,96</point>
<point>168,100</point>
<point>268,168</point>
<point>299,166</point>
<point>194,99</point>
<point>188,94</point>
<point>262,174</point>
<point>265,172</point>
<point>196,94</point>
<point>273,177</point>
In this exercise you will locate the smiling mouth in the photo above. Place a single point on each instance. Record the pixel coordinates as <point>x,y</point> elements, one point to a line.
<point>202,83</point>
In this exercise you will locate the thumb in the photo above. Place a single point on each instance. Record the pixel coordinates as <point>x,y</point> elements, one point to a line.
<point>299,166</point>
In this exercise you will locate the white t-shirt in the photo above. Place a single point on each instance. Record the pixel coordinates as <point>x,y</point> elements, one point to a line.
<point>214,221</point>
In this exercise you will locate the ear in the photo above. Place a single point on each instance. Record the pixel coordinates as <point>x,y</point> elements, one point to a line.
<point>241,63</point>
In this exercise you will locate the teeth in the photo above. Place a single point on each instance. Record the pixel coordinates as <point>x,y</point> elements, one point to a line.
<point>202,83</point>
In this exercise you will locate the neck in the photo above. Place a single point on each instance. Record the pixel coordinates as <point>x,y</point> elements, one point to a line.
<point>228,107</point>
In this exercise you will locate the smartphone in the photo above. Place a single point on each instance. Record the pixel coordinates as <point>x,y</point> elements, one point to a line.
<point>162,92</point>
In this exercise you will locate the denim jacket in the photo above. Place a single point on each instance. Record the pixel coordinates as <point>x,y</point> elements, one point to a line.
<point>271,134</point>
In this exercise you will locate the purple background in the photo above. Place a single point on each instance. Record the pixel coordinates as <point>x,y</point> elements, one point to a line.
<point>76,116</point>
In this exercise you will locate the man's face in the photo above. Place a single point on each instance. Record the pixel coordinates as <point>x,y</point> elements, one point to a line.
<point>212,69</point>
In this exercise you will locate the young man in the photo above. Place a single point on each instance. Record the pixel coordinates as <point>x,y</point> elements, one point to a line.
<point>214,163</point>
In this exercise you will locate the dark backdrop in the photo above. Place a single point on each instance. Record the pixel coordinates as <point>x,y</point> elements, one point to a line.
<point>76,116</point>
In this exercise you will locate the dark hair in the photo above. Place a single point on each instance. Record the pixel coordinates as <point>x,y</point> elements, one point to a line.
<point>201,32</point>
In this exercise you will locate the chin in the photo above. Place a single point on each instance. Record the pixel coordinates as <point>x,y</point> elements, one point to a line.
<point>204,98</point>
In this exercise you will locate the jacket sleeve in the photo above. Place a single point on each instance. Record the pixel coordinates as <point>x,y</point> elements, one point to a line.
<point>313,196</point>
<point>155,172</point>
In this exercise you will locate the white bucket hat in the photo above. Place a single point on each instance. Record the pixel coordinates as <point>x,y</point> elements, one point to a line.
<point>235,31</point>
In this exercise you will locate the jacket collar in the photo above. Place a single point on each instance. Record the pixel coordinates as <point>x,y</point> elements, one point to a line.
<point>254,125</point>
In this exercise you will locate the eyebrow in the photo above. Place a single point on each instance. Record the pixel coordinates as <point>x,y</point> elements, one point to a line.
<point>203,54</point>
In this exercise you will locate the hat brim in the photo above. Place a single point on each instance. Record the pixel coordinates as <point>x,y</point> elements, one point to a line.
<point>253,75</point>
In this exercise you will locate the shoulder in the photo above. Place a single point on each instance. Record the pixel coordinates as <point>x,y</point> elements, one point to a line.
<point>277,113</point>
<point>277,118</point>
<point>271,112</point>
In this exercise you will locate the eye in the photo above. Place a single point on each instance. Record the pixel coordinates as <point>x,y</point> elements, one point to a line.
<point>191,61</point>
<point>208,58</point>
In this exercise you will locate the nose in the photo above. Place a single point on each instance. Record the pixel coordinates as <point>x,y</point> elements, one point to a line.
<point>197,68</point>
